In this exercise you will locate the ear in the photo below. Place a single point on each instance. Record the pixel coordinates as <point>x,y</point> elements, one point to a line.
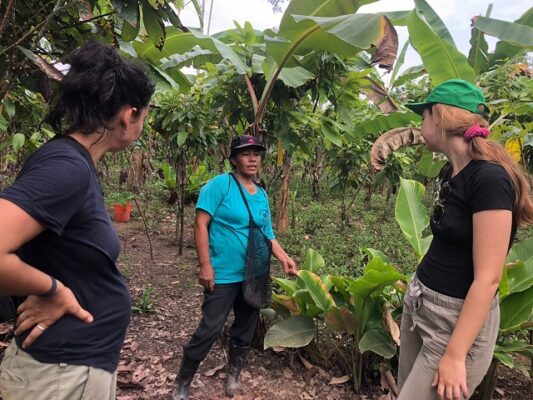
<point>126,116</point>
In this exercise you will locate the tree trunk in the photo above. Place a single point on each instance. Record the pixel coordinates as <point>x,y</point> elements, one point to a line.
<point>182,177</point>
<point>282,215</point>
<point>317,173</point>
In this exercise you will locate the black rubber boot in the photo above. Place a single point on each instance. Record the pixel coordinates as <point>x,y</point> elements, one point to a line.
<point>183,380</point>
<point>237,358</point>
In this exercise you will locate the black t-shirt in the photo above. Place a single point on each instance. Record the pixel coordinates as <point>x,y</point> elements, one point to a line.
<point>58,186</point>
<point>448,266</point>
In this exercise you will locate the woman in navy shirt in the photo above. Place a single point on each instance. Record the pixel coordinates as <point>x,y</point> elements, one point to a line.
<point>58,246</point>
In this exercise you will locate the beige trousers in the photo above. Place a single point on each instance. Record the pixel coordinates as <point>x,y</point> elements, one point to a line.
<point>428,321</point>
<point>23,378</point>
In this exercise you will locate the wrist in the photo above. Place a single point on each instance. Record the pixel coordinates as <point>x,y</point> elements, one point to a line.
<point>53,288</point>
<point>455,355</point>
<point>206,264</point>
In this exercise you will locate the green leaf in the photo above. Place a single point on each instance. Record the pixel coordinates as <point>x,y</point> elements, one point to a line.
<point>287,285</point>
<point>9,107</point>
<point>516,309</point>
<point>519,276</point>
<point>372,253</point>
<point>516,34</point>
<point>3,124</point>
<point>505,50</point>
<point>182,138</point>
<point>154,26</point>
<point>331,134</point>
<point>317,289</point>
<point>313,261</point>
<point>441,58</point>
<point>386,123</point>
<point>297,331</point>
<point>290,76</point>
<point>377,275</point>
<point>478,56</point>
<point>412,215</point>
<point>17,141</point>
<point>398,64</point>
<point>429,167</point>
<point>320,8</point>
<point>409,75</point>
<point>434,20</point>
<point>378,341</point>
<point>505,359</point>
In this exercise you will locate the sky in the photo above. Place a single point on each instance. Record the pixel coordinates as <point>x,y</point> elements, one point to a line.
<point>456,15</point>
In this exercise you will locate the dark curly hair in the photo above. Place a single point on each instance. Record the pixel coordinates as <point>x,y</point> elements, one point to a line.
<point>99,83</point>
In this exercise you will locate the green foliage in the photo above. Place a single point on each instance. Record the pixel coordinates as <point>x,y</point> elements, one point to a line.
<point>120,197</point>
<point>145,304</point>
<point>412,215</point>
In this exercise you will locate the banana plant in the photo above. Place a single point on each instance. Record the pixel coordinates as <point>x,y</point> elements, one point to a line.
<point>356,308</point>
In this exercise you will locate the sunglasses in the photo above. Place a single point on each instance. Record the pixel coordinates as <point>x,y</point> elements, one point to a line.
<point>445,192</point>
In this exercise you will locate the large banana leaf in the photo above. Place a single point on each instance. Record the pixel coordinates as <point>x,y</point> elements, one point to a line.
<point>320,8</point>
<point>412,215</point>
<point>391,141</point>
<point>428,166</point>
<point>317,290</point>
<point>386,123</point>
<point>378,341</point>
<point>441,58</point>
<point>434,20</point>
<point>478,56</point>
<point>516,309</point>
<point>297,331</point>
<point>324,29</point>
<point>377,275</point>
<point>517,34</point>
<point>287,285</point>
<point>506,50</point>
<point>408,75</point>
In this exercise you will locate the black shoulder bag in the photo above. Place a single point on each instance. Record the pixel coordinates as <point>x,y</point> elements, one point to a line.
<point>256,287</point>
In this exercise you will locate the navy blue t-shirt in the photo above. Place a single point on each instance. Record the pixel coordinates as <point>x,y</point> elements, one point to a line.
<point>58,186</point>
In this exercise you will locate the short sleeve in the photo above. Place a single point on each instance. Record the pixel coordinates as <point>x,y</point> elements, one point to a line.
<point>51,190</point>
<point>212,194</point>
<point>269,231</point>
<point>491,189</point>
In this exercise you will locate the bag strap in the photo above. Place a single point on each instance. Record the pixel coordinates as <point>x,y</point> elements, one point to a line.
<point>243,198</point>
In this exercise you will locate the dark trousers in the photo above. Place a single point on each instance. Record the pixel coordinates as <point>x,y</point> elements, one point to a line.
<point>215,310</point>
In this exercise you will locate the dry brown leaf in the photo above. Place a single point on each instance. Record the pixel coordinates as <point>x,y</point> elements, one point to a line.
<point>391,141</point>
<point>379,96</point>
<point>306,363</point>
<point>391,325</point>
<point>388,381</point>
<point>213,371</point>
<point>387,46</point>
<point>338,380</point>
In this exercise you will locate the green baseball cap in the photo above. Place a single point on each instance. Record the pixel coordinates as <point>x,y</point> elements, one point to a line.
<point>457,93</point>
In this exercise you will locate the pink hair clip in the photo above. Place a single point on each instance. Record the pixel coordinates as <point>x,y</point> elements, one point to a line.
<point>476,130</point>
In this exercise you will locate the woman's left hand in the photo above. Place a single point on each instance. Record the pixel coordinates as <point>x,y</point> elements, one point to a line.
<point>450,379</point>
<point>289,266</point>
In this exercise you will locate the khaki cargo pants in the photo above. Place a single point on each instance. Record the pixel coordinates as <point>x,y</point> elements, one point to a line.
<point>427,323</point>
<point>24,378</point>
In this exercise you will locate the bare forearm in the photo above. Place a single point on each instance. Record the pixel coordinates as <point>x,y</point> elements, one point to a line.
<point>472,317</point>
<point>278,251</point>
<point>20,279</point>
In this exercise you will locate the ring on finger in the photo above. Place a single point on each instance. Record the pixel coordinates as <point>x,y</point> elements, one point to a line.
<point>40,327</point>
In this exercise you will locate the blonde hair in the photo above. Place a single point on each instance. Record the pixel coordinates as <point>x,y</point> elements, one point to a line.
<point>454,121</point>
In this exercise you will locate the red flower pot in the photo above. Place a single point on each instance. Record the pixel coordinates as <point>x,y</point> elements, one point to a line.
<point>122,212</point>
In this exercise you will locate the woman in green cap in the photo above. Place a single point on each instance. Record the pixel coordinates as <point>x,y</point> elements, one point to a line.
<point>451,314</point>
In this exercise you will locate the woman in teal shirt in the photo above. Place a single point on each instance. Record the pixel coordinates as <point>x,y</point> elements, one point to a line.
<point>221,236</point>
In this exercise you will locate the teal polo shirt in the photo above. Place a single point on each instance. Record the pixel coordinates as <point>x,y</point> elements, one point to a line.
<point>228,229</point>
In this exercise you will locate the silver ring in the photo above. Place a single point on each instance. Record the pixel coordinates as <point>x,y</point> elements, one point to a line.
<point>40,327</point>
